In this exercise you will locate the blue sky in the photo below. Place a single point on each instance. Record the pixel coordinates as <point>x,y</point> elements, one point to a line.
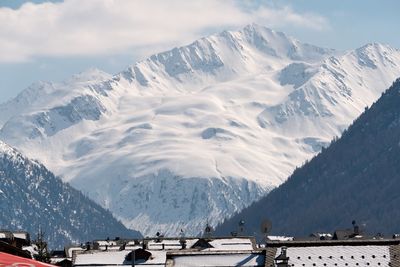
<point>51,41</point>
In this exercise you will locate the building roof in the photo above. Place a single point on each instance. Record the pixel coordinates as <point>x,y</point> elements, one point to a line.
<point>279,238</point>
<point>7,248</point>
<point>21,235</point>
<point>106,242</point>
<point>215,258</point>
<point>233,244</point>
<point>338,256</point>
<point>6,234</point>
<point>12,260</point>
<point>70,250</point>
<point>114,258</point>
<point>238,249</point>
<point>222,243</point>
<point>202,244</point>
<point>347,242</point>
<point>169,243</point>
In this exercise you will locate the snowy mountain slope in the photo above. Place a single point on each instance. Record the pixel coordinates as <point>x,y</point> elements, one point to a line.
<point>32,197</point>
<point>356,177</point>
<point>199,132</point>
<point>45,95</point>
<point>338,80</point>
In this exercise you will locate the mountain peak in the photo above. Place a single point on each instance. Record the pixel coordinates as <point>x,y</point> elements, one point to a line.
<point>257,28</point>
<point>91,74</point>
<point>375,47</point>
<point>225,55</point>
<point>372,54</point>
<point>4,148</point>
<point>254,27</point>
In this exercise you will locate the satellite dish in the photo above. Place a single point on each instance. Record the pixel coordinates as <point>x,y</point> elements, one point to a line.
<point>266,226</point>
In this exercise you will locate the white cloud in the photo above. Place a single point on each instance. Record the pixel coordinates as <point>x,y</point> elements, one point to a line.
<point>102,27</point>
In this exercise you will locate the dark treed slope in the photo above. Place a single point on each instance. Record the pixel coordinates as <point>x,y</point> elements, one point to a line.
<point>32,197</point>
<point>356,177</point>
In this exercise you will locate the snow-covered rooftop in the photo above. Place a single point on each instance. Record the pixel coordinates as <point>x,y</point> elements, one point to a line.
<point>228,250</point>
<point>113,258</point>
<point>169,243</point>
<point>70,250</point>
<point>106,243</point>
<point>218,259</point>
<point>21,235</point>
<point>239,243</point>
<point>337,256</point>
<point>279,238</point>
<point>30,249</point>
<point>232,244</point>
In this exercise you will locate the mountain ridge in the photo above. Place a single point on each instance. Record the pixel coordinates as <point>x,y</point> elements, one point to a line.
<point>236,111</point>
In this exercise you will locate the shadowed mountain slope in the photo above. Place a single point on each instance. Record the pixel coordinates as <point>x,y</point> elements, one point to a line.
<point>31,197</point>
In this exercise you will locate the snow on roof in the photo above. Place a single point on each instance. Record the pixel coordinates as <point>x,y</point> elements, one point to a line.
<point>165,244</point>
<point>30,249</point>
<point>280,238</point>
<point>338,256</point>
<point>232,244</point>
<point>238,259</point>
<point>21,235</point>
<point>238,243</point>
<point>70,250</point>
<point>56,260</point>
<point>106,243</point>
<point>113,258</point>
<point>323,234</point>
<point>3,235</point>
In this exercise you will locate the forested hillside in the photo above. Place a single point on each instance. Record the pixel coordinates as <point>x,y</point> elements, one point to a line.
<point>31,197</point>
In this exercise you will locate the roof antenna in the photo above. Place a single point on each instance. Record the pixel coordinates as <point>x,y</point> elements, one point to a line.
<point>265,228</point>
<point>356,228</point>
<point>182,239</point>
<point>208,230</point>
<point>241,227</point>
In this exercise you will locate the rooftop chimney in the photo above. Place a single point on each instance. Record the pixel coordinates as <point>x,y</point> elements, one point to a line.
<point>282,260</point>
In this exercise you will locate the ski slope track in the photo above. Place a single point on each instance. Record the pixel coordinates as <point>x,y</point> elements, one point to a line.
<point>199,132</point>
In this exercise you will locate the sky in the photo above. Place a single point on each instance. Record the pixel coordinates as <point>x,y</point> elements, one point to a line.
<point>42,40</point>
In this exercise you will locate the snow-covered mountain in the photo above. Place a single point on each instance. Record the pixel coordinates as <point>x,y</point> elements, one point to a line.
<point>31,197</point>
<point>356,177</point>
<point>201,131</point>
